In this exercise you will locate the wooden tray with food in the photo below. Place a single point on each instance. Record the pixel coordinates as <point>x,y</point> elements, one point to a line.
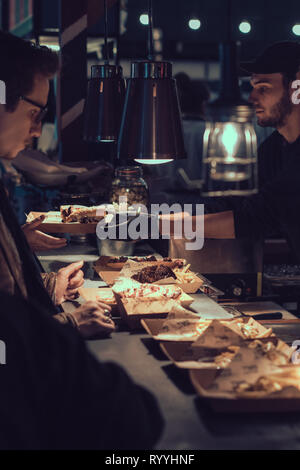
<point>77,220</point>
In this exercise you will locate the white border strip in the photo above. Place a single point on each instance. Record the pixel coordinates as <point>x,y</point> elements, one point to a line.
<point>72,114</point>
<point>74,30</point>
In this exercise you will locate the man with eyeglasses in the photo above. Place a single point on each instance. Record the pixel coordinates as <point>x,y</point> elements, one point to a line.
<point>53,394</point>
<point>26,71</point>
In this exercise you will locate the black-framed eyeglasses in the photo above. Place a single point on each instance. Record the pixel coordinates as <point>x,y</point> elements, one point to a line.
<point>43,109</point>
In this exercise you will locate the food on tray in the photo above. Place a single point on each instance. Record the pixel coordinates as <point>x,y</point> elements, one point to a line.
<point>123,259</point>
<point>151,292</point>
<point>275,382</point>
<point>154,273</point>
<point>82,215</point>
<point>249,328</point>
<point>183,275</point>
<point>224,359</point>
<point>278,353</point>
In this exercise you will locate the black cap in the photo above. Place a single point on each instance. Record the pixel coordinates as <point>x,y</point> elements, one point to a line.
<point>278,58</point>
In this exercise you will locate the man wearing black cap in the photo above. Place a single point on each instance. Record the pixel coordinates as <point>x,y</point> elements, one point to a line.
<point>275,210</point>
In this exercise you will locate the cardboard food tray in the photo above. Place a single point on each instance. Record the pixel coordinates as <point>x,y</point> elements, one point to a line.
<point>133,312</point>
<point>202,379</point>
<point>100,293</point>
<point>53,224</point>
<point>185,357</point>
<point>153,327</point>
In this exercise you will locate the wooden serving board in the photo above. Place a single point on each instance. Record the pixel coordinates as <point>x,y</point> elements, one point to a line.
<point>53,224</point>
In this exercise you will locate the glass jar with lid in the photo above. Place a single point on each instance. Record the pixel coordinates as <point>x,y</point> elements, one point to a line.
<point>129,182</point>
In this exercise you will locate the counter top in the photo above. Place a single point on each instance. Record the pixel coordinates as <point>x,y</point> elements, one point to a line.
<point>191,424</point>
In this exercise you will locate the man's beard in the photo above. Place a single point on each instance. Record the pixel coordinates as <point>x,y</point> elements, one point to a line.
<point>278,113</point>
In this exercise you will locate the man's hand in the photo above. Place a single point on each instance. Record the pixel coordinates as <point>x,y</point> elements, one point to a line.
<point>68,281</point>
<point>39,241</point>
<point>93,318</point>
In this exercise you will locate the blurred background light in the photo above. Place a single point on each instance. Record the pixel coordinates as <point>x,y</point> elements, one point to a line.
<point>144,19</point>
<point>296,29</point>
<point>194,23</point>
<point>245,27</point>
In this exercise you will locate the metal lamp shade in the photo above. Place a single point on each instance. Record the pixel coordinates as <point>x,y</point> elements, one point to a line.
<point>229,159</point>
<point>229,165</point>
<point>104,104</point>
<point>151,128</point>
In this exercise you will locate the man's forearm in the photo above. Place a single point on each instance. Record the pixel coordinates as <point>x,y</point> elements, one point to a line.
<point>218,225</point>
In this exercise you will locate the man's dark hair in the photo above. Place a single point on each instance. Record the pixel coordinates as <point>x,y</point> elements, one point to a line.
<point>20,62</point>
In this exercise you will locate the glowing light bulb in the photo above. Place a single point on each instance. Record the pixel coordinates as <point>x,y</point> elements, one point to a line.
<point>144,19</point>
<point>230,139</point>
<point>152,162</point>
<point>245,27</point>
<point>296,29</point>
<point>194,23</point>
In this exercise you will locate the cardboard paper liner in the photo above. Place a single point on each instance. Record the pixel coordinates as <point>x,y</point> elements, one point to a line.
<point>184,355</point>
<point>102,293</point>
<point>53,224</point>
<point>107,275</point>
<point>180,330</point>
<point>223,333</point>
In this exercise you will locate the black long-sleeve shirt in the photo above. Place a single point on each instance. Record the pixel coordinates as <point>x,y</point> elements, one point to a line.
<point>275,210</point>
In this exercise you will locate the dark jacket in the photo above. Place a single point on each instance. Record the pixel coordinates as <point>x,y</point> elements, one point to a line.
<point>55,395</point>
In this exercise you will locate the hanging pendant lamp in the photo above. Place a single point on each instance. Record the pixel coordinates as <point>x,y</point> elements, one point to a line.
<point>105,99</point>
<point>229,165</point>
<point>151,128</point>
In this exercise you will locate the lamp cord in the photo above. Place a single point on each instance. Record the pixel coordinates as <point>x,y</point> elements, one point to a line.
<point>150,32</point>
<point>106,55</point>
